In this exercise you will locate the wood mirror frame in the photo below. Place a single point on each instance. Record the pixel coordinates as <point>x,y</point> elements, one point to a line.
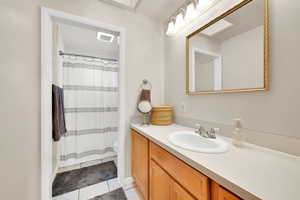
<point>266,51</point>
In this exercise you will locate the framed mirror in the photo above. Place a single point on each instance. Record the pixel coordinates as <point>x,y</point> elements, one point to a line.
<point>230,53</point>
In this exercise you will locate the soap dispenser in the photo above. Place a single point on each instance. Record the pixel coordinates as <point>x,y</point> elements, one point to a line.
<point>237,133</point>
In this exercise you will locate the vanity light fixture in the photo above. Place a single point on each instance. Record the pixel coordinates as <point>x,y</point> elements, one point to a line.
<point>105,37</point>
<point>187,13</point>
<point>202,4</point>
<point>179,23</point>
<point>191,12</point>
<point>171,28</point>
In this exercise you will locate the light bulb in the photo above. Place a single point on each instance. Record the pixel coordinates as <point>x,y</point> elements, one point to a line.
<point>179,21</point>
<point>171,28</point>
<point>191,12</point>
<point>202,4</point>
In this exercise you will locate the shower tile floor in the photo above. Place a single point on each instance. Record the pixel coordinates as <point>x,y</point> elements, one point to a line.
<point>97,182</point>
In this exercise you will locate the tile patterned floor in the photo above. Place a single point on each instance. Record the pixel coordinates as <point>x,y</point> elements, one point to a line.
<point>96,193</point>
<point>110,189</point>
<point>101,192</point>
<point>72,180</point>
<point>117,194</point>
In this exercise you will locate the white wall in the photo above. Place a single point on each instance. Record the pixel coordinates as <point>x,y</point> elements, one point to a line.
<point>243,60</point>
<point>20,81</point>
<point>204,74</point>
<point>276,111</point>
<point>203,43</point>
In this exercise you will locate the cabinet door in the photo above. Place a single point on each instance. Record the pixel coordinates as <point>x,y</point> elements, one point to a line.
<point>160,183</point>
<point>219,193</point>
<point>190,179</point>
<point>140,162</point>
<point>226,195</point>
<point>178,193</point>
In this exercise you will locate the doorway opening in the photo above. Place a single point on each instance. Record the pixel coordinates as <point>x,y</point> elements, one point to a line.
<point>84,60</point>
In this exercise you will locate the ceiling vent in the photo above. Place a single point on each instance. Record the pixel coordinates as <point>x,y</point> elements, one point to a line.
<point>128,4</point>
<point>217,27</point>
<point>105,37</point>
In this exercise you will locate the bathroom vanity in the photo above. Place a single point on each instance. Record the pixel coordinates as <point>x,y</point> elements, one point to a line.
<point>163,171</point>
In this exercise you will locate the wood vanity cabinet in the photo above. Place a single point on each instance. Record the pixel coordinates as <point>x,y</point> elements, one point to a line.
<point>140,162</point>
<point>179,193</point>
<point>190,179</point>
<point>160,175</point>
<point>160,182</point>
<point>219,193</point>
<point>162,186</point>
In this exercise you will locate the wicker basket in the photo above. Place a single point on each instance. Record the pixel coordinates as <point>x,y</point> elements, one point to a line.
<point>162,115</point>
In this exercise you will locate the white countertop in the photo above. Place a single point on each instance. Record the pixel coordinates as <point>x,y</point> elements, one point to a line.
<point>252,172</point>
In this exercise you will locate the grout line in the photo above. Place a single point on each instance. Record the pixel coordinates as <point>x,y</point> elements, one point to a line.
<point>78,195</point>
<point>108,186</point>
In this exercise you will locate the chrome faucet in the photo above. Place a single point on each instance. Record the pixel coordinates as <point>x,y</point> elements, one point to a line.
<point>204,133</point>
<point>212,133</point>
<point>199,129</point>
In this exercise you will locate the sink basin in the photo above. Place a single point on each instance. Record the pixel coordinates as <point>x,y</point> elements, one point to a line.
<point>194,142</point>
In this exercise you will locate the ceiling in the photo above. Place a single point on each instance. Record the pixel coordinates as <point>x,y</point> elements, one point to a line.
<point>83,41</point>
<point>129,4</point>
<point>159,10</point>
<point>243,20</point>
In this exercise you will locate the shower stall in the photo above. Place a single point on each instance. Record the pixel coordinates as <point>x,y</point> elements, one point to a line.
<point>91,108</point>
<point>86,66</point>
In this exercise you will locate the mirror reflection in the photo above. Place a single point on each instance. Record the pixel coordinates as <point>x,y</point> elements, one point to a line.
<point>229,54</point>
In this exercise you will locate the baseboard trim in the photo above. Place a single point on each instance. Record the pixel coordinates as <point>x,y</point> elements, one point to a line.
<point>128,183</point>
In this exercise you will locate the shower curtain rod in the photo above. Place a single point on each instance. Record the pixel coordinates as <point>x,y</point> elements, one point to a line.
<point>72,54</point>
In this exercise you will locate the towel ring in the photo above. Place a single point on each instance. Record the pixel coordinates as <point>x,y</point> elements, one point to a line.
<point>146,85</point>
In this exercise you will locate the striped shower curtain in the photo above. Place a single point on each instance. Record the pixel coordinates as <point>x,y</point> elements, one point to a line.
<point>91,109</point>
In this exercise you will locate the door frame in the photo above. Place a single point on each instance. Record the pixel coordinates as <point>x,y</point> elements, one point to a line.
<point>48,16</point>
<point>218,80</point>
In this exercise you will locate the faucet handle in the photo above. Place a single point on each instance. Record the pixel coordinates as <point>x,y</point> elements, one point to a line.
<point>198,127</point>
<point>212,132</point>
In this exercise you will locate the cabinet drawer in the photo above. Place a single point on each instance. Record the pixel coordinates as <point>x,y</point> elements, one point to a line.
<point>192,180</point>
